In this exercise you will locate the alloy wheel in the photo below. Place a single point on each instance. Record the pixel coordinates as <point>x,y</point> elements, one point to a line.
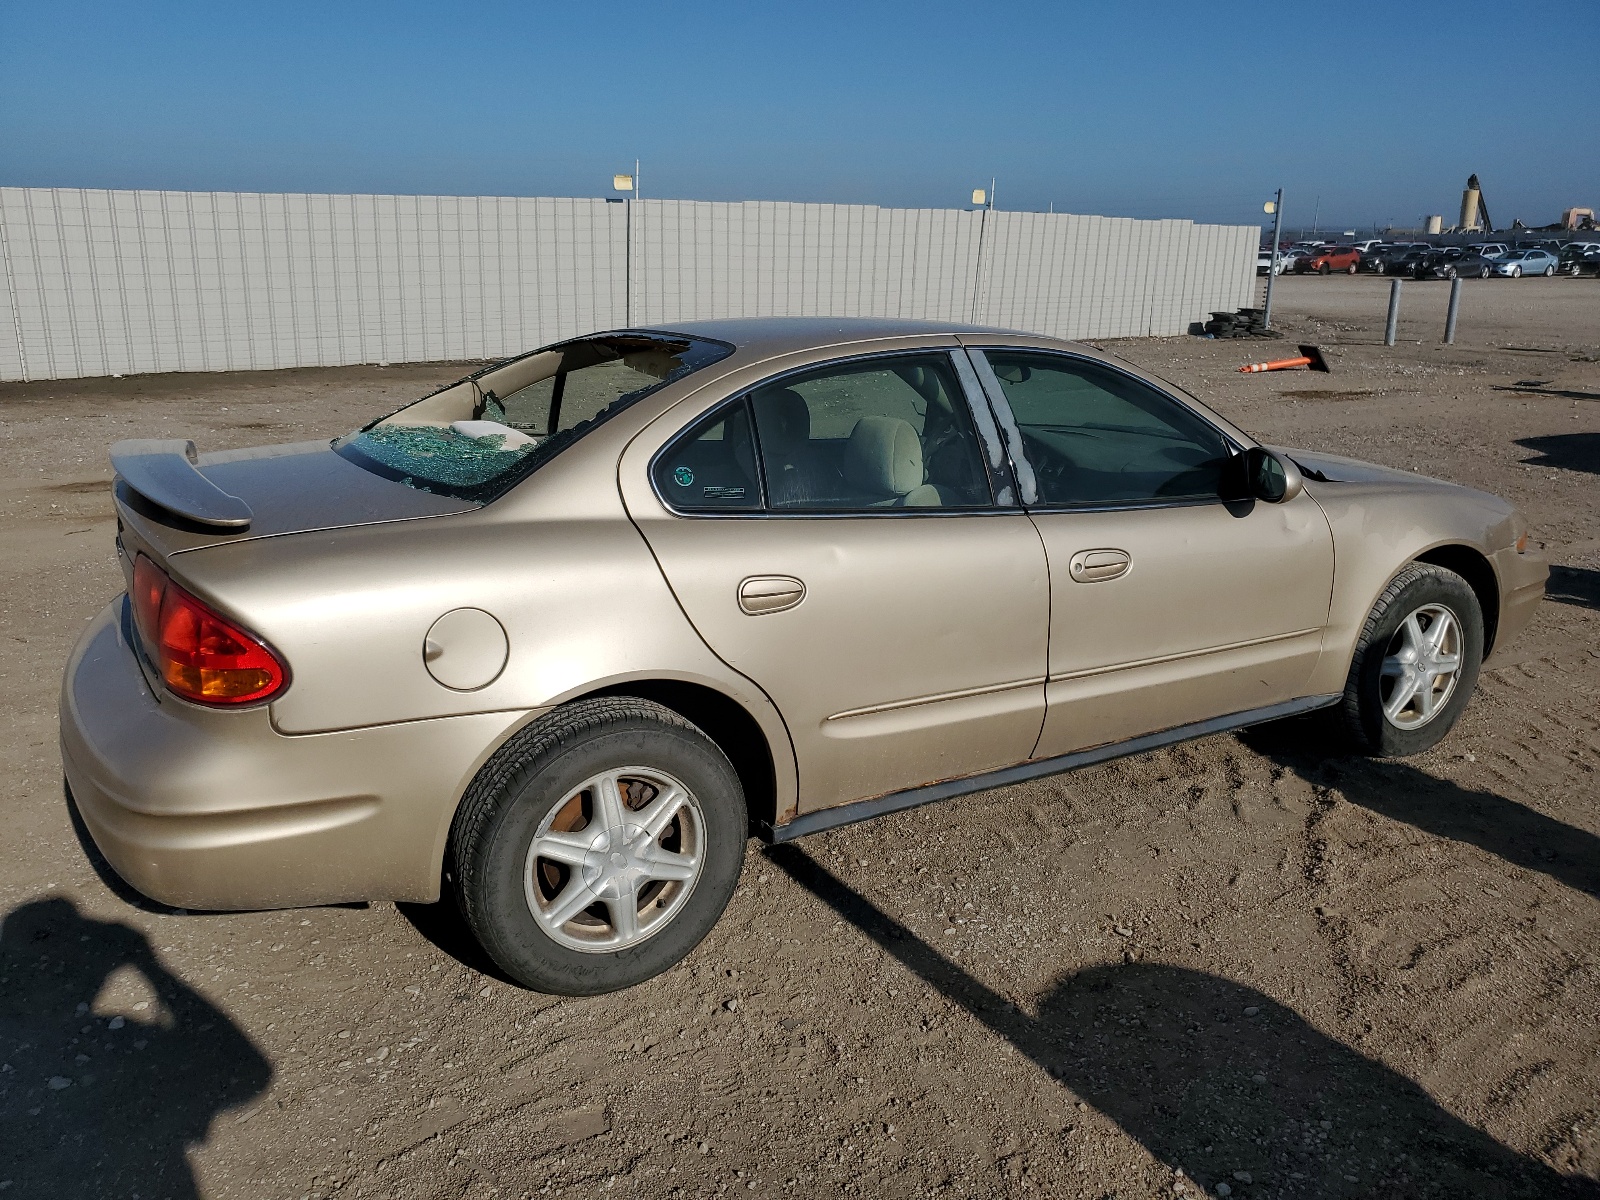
<point>615,860</point>
<point>1420,667</point>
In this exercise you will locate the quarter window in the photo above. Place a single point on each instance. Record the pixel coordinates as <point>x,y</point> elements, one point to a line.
<point>881,433</point>
<point>1095,436</point>
<point>713,466</point>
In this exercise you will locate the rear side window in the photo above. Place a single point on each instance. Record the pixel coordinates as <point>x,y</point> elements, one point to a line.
<point>875,434</point>
<point>1097,437</point>
<point>712,467</point>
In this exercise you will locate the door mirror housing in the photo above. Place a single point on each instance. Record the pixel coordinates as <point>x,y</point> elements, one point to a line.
<point>1271,477</point>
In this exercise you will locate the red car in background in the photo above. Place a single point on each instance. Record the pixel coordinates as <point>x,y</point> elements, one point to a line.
<point>1325,260</point>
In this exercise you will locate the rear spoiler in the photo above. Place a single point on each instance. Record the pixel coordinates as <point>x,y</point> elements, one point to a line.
<point>165,473</point>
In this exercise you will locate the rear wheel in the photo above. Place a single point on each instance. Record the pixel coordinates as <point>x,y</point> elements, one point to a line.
<point>1351,269</point>
<point>1483,274</point>
<point>1549,271</point>
<point>1415,664</point>
<point>598,846</point>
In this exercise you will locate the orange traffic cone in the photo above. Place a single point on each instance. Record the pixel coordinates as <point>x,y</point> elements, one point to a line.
<point>1310,356</point>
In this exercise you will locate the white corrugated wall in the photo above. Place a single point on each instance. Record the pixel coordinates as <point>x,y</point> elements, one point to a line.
<point>118,282</point>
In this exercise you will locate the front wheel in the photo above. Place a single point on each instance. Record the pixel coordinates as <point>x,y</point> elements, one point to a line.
<point>1549,271</point>
<point>1415,664</point>
<point>598,846</point>
<point>1378,268</point>
<point>1516,272</point>
<point>1324,269</point>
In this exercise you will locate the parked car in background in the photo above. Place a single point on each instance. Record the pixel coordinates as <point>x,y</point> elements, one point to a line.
<point>1524,262</point>
<point>1470,264</point>
<point>1373,256</point>
<point>1288,259</point>
<point>1326,259</point>
<point>556,639</point>
<point>1264,260</point>
<point>1580,258</point>
<point>1405,260</point>
<point>1369,244</point>
<point>1385,264</point>
<point>1489,249</point>
<point>1448,262</point>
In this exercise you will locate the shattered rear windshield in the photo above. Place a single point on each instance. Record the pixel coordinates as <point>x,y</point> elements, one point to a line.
<point>476,438</point>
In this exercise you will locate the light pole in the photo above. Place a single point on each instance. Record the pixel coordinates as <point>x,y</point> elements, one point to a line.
<point>1275,207</point>
<point>985,202</point>
<point>629,184</point>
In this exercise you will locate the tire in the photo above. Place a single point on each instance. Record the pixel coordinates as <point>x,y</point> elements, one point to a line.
<point>1549,271</point>
<point>1421,591</point>
<point>1324,269</point>
<point>1449,272</point>
<point>1484,274</point>
<point>1516,272</point>
<point>1351,269</point>
<point>1378,268</point>
<point>547,779</point>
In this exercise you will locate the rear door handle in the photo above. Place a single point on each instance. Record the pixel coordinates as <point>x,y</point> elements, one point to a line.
<point>762,594</point>
<point>1095,566</point>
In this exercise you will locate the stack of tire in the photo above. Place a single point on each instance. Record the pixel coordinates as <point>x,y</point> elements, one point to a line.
<point>1247,322</point>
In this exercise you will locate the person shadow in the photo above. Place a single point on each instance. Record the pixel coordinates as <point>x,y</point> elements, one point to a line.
<point>1220,1080</point>
<point>104,1099</point>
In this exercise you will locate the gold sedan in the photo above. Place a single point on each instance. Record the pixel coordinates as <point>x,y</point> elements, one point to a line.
<point>555,638</point>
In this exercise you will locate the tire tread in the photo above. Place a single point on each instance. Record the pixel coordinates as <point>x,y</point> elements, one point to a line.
<point>520,756</point>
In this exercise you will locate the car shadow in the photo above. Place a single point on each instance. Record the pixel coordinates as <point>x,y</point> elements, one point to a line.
<point>1567,451</point>
<point>96,1101</point>
<point>443,927</point>
<point>1539,389</point>
<point>1217,1079</point>
<point>1574,585</point>
<point>1505,828</point>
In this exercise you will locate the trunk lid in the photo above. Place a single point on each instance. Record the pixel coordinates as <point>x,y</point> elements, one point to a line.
<point>265,491</point>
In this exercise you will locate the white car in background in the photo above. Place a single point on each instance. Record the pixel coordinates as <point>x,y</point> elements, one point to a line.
<point>1288,258</point>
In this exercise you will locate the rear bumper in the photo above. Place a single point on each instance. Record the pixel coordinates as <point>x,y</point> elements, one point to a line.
<point>218,810</point>
<point>1522,579</point>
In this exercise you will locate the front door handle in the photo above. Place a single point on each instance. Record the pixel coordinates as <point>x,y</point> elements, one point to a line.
<point>1095,566</point>
<point>762,594</point>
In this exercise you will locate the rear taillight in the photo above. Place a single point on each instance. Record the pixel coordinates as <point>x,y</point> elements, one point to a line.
<point>200,654</point>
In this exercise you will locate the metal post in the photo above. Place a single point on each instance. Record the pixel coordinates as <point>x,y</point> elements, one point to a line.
<point>1394,313</point>
<point>1272,268</point>
<point>1450,315</point>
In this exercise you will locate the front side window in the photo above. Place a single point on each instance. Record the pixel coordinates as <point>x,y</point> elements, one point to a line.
<point>879,433</point>
<point>478,437</point>
<point>1095,436</point>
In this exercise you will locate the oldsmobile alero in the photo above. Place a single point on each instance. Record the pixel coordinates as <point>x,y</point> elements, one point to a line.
<point>553,640</point>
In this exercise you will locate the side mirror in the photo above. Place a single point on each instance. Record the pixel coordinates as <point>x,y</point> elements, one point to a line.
<point>1271,478</point>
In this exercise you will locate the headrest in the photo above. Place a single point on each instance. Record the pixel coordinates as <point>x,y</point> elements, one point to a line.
<point>883,455</point>
<point>784,420</point>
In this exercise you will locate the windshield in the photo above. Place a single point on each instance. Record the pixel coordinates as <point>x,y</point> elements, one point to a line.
<point>476,438</point>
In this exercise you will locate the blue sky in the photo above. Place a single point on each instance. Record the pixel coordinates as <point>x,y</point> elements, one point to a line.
<point>1136,109</point>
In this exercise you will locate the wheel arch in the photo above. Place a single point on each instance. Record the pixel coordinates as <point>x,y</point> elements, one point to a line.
<point>727,723</point>
<point>1471,565</point>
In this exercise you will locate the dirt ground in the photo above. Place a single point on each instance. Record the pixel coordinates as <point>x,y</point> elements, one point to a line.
<point>1232,965</point>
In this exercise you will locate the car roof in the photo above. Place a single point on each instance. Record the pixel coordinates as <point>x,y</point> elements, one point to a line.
<point>767,337</point>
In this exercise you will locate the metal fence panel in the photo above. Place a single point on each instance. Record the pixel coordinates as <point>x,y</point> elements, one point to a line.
<point>118,282</point>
